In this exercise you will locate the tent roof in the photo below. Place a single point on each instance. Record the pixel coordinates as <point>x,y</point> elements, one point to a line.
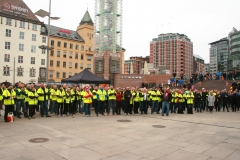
<point>86,77</point>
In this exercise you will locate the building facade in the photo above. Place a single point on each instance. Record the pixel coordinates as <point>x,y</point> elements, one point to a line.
<point>71,51</point>
<point>174,52</point>
<point>19,43</point>
<point>206,68</point>
<point>198,64</point>
<point>234,49</point>
<point>137,65</point>
<point>219,52</point>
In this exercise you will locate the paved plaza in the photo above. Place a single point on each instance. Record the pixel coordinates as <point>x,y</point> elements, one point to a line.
<point>201,136</point>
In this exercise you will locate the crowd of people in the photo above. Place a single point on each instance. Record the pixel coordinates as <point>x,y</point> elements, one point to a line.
<point>64,100</point>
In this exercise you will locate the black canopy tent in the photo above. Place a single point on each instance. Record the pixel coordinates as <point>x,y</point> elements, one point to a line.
<point>86,77</point>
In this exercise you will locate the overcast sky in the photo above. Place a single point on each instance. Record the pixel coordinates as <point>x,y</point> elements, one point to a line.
<point>203,21</point>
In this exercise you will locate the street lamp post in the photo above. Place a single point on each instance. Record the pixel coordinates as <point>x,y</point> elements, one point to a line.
<point>43,13</point>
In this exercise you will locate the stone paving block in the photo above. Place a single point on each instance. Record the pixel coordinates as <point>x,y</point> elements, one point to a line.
<point>219,152</point>
<point>123,156</point>
<point>184,155</point>
<point>234,156</point>
<point>196,148</point>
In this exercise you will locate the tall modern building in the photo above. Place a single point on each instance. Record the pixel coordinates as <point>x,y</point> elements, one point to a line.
<point>109,55</point>
<point>198,64</point>
<point>174,52</point>
<point>219,56</point>
<point>234,49</point>
<point>22,59</point>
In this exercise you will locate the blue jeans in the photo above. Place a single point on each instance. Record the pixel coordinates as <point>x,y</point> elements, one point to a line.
<point>19,104</point>
<point>143,106</point>
<point>54,107</point>
<point>83,107</point>
<point>199,107</point>
<point>43,107</point>
<point>165,106</point>
<point>154,107</point>
<point>111,104</point>
<point>87,108</point>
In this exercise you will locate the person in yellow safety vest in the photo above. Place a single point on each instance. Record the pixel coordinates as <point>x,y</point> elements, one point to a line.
<point>111,101</point>
<point>2,88</point>
<point>53,100</point>
<point>87,102</point>
<point>136,100</point>
<point>32,103</point>
<point>28,88</point>
<point>79,102</point>
<point>68,101</point>
<point>190,99</point>
<point>95,100</point>
<point>82,98</point>
<point>20,103</point>
<point>143,101</point>
<point>60,100</point>
<point>180,102</point>
<point>184,101</point>
<point>101,96</point>
<point>154,107</point>
<point>173,104</point>
<point>123,101</point>
<point>149,97</point>
<point>8,96</point>
<point>133,92</point>
<point>159,95</point>
<point>43,98</point>
<point>74,93</point>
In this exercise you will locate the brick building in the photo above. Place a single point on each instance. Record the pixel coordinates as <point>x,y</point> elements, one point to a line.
<point>137,64</point>
<point>174,52</point>
<point>198,64</point>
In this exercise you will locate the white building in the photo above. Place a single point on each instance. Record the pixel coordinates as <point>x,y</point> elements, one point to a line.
<point>22,59</point>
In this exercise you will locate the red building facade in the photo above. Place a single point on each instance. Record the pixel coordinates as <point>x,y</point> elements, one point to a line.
<point>137,64</point>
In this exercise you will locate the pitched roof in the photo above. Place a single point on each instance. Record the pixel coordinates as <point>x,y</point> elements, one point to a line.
<point>17,9</point>
<point>86,19</point>
<point>64,33</point>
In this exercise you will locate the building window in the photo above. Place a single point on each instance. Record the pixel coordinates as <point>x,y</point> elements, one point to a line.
<point>71,46</point>
<point>21,35</point>
<point>76,65</point>
<point>32,72</point>
<point>52,53</point>
<point>58,63</point>
<point>65,45</point>
<point>51,63</point>
<point>57,74</point>
<point>43,51</point>
<point>70,55</point>
<point>6,71</point>
<point>89,49</point>
<point>64,64</point>
<point>70,74</point>
<point>89,66</point>
<point>34,37</point>
<point>89,58</point>
<point>44,39</point>
<point>7,58</point>
<point>32,60</point>
<point>20,59</point>
<point>70,64</point>
<point>9,21</point>
<point>64,54</point>
<point>58,53</point>
<point>8,32</point>
<point>59,44</point>
<point>20,71</point>
<point>7,45</point>
<point>82,57</point>
<point>82,47</point>
<point>33,49</point>
<point>76,55</point>
<point>51,74</point>
<point>21,47</point>
<point>81,65</point>
<point>52,42</point>
<point>43,62</point>
<point>64,75</point>
<point>22,24</point>
<point>34,27</point>
<point>76,47</point>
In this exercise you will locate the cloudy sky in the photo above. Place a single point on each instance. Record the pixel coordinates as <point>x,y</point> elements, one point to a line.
<point>203,21</point>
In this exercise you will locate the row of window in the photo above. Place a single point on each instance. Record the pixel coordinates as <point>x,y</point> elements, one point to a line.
<point>8,33</point>
<point>65,44</point>
<point>71,55</point>
<point>235,43</point>
<point>64,64</point>
<point>20,59</point>
<point>21,47</point>
<point>6,71</point>
<point>235,49</point>
<point>236,36</point>
<point>9,22</point>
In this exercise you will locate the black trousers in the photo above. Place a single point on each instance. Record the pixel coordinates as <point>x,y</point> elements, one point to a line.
<point>95,105</point>
<point>225,104</point>
<point>8,108</point>
<point>234,107</point>
<point>136,107</point>
<point>67,108</point>
<point>61,107</point>
<point>101,105</point>
<point>210,108</point>
<point>189,109</point>
<point>74,106</point>
<point>127,106</point>
<point>31,110</point>
<point>118,107</point>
